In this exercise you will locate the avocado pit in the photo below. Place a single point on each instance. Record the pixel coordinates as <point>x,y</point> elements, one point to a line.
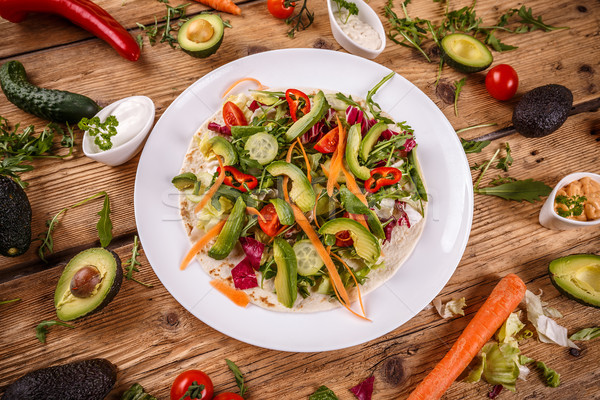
<point>200,31</point>
<point>85,281</point>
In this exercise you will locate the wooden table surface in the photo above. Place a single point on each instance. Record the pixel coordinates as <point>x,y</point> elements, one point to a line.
<point>151,338</point>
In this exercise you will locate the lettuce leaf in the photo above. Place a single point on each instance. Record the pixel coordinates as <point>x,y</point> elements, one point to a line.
<point>499,365</point>
<point>586,334</point>
<point>451,308</point>
<point>549,331</point>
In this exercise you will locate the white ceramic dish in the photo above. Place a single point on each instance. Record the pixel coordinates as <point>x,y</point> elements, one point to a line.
<point>425,273</point>
<point>123,153</point>
<point>365,14</point>
<point>551,220</point>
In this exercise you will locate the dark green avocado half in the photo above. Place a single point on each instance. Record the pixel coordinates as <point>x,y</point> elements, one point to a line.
<point>88,283</point>
<point>578,277</point>
<point>542,110</point>
<point>15,218</point>
<point>88,379</point>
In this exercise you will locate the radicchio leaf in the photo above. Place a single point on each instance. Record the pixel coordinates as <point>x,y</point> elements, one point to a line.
<point>254,251</point>
<point>244,276</point>
<point>409,145</point>
<point>364,390</point>
<point>222,129</point>
<point>255,105</point>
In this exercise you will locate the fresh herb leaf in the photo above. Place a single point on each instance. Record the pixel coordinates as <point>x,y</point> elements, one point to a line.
<point>527,189</point>
<point>164,32</point>
<point>574,205</point>
<point>501,180</point>
<point>132,263</point>
<point>468,128</point>
<point>375,108</point>
<point>586,334</point>
<point>351,7</point>
<point>42,329</point>
<point>323,393</point>
<point>104,226</point>
<point>194,391</point>
<point>239,378</point>
<point>476,167</point>
<point>406,31</point>
<point>458,85</point>
<point>101,131</point>
<point>471,146</point>
<point>534,23</point>
<point>300,21</point>
<point>552,377</point>
<point>9,301</point>
<point>505,162</point>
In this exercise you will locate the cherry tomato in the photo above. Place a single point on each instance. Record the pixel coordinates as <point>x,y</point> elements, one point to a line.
<point>329,142</point>
<point>271,224</point>
<point>186,379</point>
<point>502,82</point>
<point>278,9</point>
<point>233,116</point>
<point>228,396</point>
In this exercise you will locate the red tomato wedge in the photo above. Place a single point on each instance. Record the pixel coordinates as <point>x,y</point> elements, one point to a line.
<point>233,116</point>
<point>328,143</point>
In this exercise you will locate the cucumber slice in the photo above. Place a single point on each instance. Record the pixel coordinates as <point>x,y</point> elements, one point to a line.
<point>366,245</point>
<point>262,147</point>
<point>284,211</point>
<point>324,286</point>
<point>465,53</point>
<point>230,233</point>
<point>309,261</point>
<point>286,278</point>
<point>352,147</point>
<point>319,106</point>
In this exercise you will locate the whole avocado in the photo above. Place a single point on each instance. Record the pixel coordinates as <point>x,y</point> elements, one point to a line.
<point>542,110</point>
<point>88,379</point>
<point>15,218</point>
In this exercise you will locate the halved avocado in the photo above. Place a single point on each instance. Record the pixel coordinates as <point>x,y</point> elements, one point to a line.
<point>578,277</point>
<point>202,35</point>
<point>465,53</point>
<point>88,283</point>
<point>15,218</point>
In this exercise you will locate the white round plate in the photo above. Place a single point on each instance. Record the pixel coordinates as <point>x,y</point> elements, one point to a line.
<point>436,256</point>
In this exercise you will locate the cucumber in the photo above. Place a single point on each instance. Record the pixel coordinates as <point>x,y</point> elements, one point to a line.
<point>53,105</point>
<point>465,53</point>
<point>262,147</point>
<point>306,122</point>
<point>309,261</point>
<point>352,147</point>
<point>231,231</point>
<point>286,278</point>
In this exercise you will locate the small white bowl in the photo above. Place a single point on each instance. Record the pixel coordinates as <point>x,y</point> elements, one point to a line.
<point>124,152</point>
<point>366,15</point>
<point>551,220</point>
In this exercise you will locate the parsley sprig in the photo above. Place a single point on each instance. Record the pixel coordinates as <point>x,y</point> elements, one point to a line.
<point>101,131</point>
<point>574,205</point>
<point>351,7</point>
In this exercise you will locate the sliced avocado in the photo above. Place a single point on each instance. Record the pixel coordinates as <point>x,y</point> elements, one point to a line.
<point>542,110</point>
<point>222,147</point>
<point>302,192</point>
<point>187,180</point>
<point>284,211</point>
<point>241,131</point>
<point>287,267</point>
<point>202,35</point>
<point>578,277</point>
<point>88,379</point>
<point>372,136</point>
<point>88,283</point>
<point>231,231</point>
<point>465,53</point>
<point>15,218</point>
<point>354,206</point>
<point>352,147</point>
<point>366,245</point>
<point>300,127</point>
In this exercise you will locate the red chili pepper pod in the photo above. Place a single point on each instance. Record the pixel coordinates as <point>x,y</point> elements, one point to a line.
<point>238,180</point>
<point>382,176</point>
<point>84,13</point>
<point>294,98</point>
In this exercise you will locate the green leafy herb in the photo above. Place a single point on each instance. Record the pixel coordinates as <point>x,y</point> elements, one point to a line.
<point>101,131</point>
<point>164,32</point>
<point>42,329</point>
<point>468,128</point>
<point>523,359</point>
<point>239,378</point>
<point>406,31</point>
<point>17,149</point>
<point>194,391</point>
<point>132,263</point>
<point>351,7</point>
<point>586,334</point>
<point>323,393</point>
<point>499,180</point>
<point>9,301</point>
<point>471,146</point>
<point>104,225</point>
<point>300,21</point>
<point>505,162</point>
<point>552,377</point>
<point>574,205</point>
<point>458,85</point>
<point>375,108</point>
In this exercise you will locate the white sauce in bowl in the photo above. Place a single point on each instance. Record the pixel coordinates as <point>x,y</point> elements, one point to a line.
<point>357,30</point>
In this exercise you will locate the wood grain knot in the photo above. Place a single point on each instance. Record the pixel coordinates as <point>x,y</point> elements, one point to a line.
<point>445,92</point>
<point>586,69</point>
<point>582,9</point>
<point>535,153</point>
<point>393,371</point>
<point>172,319</point>
<point>321,43</point>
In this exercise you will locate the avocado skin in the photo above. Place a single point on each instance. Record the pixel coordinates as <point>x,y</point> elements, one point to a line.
<point>15,218</point>
<point>542,110</point>
<point>81,380</point>
<point>557,267</point>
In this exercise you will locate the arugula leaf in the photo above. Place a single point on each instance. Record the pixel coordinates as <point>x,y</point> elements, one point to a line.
<point>239,378</point>
<point>471,146</point>
<point>527,189</point>
<point>586,334</point>
<point>164,30</point>
<point>42,329</point>
<point>132,263</point>
<point>9,301</point>
<point>458,85</point>
<point>406,31</point>
<point>351,7</point>
<point>104,225</point>
<point>536,23</point>
<point>505,162</point>
<point>300,21</point>
<point>101,131</point>
<point>323,393</point>
<point>375,108</point>
<point>501,180</point>
<point>194,391</point>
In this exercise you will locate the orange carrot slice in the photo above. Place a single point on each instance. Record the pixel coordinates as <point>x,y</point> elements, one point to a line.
<point>213,189</point>
<point>362,308</point>
<point>234,84</point>
<point>254,211</point>
<point>337,161</point>
<point>286,179</point>
<point>353,186</point>
<point>199,245</point>
<point>505,297</point>
<point>239,297</point>
<point>361,219</point>
<point>305,159</point>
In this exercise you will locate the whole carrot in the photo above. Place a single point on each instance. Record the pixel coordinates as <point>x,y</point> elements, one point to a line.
<point>227,6</point>
<point>505,297</point>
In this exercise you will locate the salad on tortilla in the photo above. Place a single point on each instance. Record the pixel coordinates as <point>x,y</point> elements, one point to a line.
<point>301,200</point>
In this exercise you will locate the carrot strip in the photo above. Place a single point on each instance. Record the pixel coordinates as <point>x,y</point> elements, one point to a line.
<point>234,84</point>
<point>199,245</point>
<point>279,232</point>
<point>305,159</point>
<point>326,173</point>
<point>505,297</point>
<point>361,219</point>
<point>237,296</point>
<point>353,278</point>
<point>337,161</point>
<point>252,210</point>
<point>286,179</point>
<point>331,181</point>
<point>213,189</point>
<point>353,186</point>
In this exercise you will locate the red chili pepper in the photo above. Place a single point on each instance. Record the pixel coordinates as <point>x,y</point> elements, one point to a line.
<point>295,98</point>
<point>382,176</point>
<point>238,180</point>
<point>84,13</point>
